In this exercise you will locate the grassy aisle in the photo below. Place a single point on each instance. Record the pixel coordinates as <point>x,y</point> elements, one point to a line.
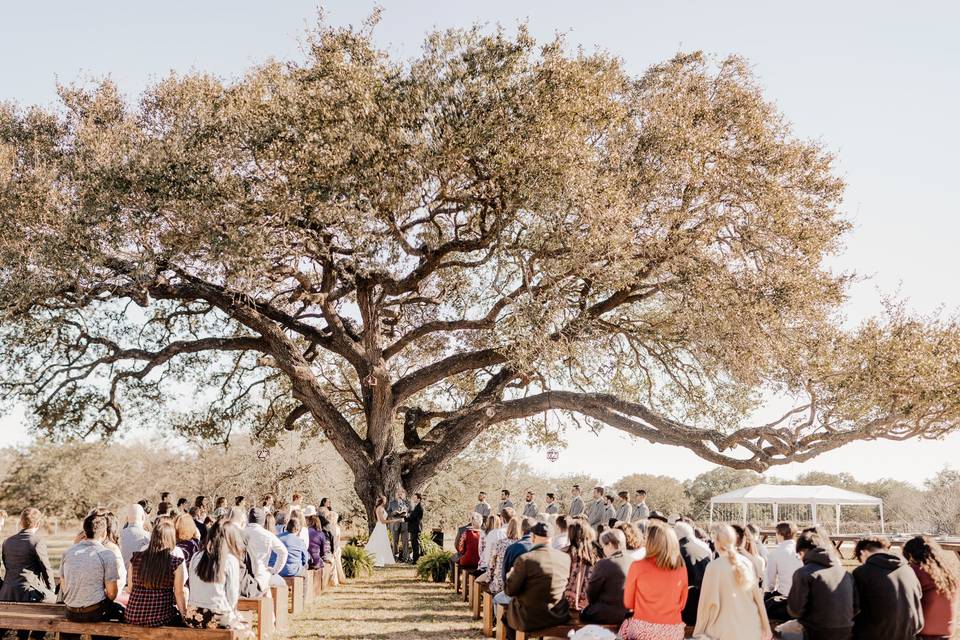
<point>391,604</point>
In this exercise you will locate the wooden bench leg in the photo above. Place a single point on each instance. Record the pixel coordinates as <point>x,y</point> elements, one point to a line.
<point>295,585</point>
<point>265,623</point>
<point>308,593</point>
<point>466,586</point>
<point>501,628</point>
<point>521,635</point>
<point>281,617</point>
<point>457,575</point>
<point>475,600</point>
<point>487,615</point>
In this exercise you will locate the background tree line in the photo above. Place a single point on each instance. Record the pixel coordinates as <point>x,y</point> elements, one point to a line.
<point>66,480</point>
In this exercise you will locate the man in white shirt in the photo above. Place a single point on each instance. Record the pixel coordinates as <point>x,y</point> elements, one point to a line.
<point>260,544</point>
<point>782,563</point>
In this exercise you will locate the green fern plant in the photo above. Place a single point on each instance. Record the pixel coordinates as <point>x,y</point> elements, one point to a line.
<point>357,561</point>
<point>434,566</point>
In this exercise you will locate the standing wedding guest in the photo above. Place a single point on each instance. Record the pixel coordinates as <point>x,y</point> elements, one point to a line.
<point>214,575</point>
<point>583,557</point>
<point>28,576</point>
<point>634,539</point>
<point>495,572</point>
<point>183,505</point>
<point>536,585</point>
<point>605,588</point>
<point>240,502</point>
<point>147,507</point>
<point>134,536</point>
<point>823,596</point>
<point>640,510</point>
<point>560,538</point>
<point>301,515</point>
<point>656,589</point>
<point>576,501</point>
<point>505,501</point>
<point>415,524</point>
<point>596,508</point>
<point>263,545</point>
<point>219,507</point>
<point>483,507</point>
<point>188,538</point>
<point>731,605</point>
<point>782,563</point>
<point>296,502</point>
<point>889,593</point>
<point>330,524</point>
<point>939,583</point>
<point>624,508</point>
<point>157,579</point>
<point>469,545</point>
<point>268,503</point>
<point>530,509</point>
<point>552,507</point>
<point>199,515</point>
<point>696,557</point>
<point>88,577</point>
<point>298,558</point>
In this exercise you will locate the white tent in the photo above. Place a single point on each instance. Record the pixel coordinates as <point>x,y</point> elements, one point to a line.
<point>813,495</point>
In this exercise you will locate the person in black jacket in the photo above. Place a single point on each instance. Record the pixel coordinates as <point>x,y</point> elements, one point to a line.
<point>29,577</point>
<point>605,587</point>
<point>823,597</point>
<point>696,557</point>
<point>415,524</point>
<point>889,592</point>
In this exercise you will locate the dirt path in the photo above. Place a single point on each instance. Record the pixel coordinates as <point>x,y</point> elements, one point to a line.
<point>392,604</point>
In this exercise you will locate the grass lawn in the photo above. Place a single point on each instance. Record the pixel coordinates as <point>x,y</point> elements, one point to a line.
<point>390,604</point>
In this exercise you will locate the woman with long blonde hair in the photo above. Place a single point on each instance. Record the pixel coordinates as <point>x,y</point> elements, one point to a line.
<point>656,589</point>
<point>731,605</point>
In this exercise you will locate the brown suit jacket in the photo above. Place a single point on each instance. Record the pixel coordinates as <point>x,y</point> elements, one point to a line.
<point>536,584</point>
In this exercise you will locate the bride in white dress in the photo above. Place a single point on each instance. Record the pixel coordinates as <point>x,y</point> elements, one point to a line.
<point>379,544</point>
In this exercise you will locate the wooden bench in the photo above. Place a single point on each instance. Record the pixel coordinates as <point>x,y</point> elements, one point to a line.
<point>281,614</point>
<point>467,582</point>
<point>456,577</point>
<point>264,612</point>
<point>52,618</point>
<point>309,595</point>
<point>295,586</point>
<point>489,624</point>
<point>476,588</point>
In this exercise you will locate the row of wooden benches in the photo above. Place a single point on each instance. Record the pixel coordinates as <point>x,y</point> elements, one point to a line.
<point>270,616</point>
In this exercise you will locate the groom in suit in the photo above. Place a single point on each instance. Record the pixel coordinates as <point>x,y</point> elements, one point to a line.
<point>414,524</point>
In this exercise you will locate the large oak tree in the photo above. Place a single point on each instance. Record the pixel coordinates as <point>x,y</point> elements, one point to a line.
<point>400,255</point>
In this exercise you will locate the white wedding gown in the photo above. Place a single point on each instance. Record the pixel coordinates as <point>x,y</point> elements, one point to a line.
<point>379,544</point>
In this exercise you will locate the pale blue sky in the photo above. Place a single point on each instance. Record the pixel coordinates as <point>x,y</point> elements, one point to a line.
<point>877,82</point>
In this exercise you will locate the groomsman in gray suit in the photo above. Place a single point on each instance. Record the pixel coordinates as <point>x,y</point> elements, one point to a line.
<point>530,509</point>
<point>483,507</point>
<point>640,510</point>
<point>624,508</point>
<point>504,500</point>
<point>609,511</point>
<point>596,508</point>
<point>576,502</point>
<point>552,506</point>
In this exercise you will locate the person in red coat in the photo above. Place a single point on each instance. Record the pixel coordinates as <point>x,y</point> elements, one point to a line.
<point>469,545</point>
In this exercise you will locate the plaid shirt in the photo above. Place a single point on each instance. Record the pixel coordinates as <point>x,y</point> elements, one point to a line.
<point>152,607</point>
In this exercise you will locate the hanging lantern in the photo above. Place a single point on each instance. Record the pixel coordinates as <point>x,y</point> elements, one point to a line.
<point>553,454</point>
<point>263,455</point>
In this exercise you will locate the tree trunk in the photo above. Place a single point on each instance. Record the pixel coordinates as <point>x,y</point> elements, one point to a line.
<point>372,482</point>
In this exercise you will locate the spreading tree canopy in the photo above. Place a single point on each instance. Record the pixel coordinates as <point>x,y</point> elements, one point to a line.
<point>400,255</point>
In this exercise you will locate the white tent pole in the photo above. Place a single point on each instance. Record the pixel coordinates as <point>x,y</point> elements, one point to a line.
<point>838,520</point>
<point>711,514</point>
<point>776,514</point>
<point>882,528</point>
<point>744,509</point>
<point>813,512</point>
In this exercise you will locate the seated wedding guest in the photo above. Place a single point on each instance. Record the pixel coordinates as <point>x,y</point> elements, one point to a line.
<point>112,542</point>
<point>696,557</point>
<point>321,556</point>
<point>88,577</point>
<point>280,519</point>
<point>631,534</point>
<point>560,538</point>
<point>147,507</point>
<point>758,544</point>
<point>458,536</point>
<point>28,576</point>
<point>164,509</point>
<point>199,515</point>
<point>240,502</point>
<point>214,575</point>
<point>157,578</point>
<point>494,536</point>
<point>535,586</point>
<point>940,584</point>
<point>731,605</point>
<point>605,588</point>
<point>188,538</point>
<point>469,545</point>
<point>134,536</point>
<point>490,523</point>
<point>261,544</point>
<point>748,548</point>
<point>495,573</point>
<point>301,515</point>
<point>823,596</point>
<point>889,594</point>
<point>297,558</point>
<point>583,557</point>
<point>782,563</point>
<point>656,589</point>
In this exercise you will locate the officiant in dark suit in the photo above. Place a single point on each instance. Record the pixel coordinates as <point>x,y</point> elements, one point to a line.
<point>415,525</point>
